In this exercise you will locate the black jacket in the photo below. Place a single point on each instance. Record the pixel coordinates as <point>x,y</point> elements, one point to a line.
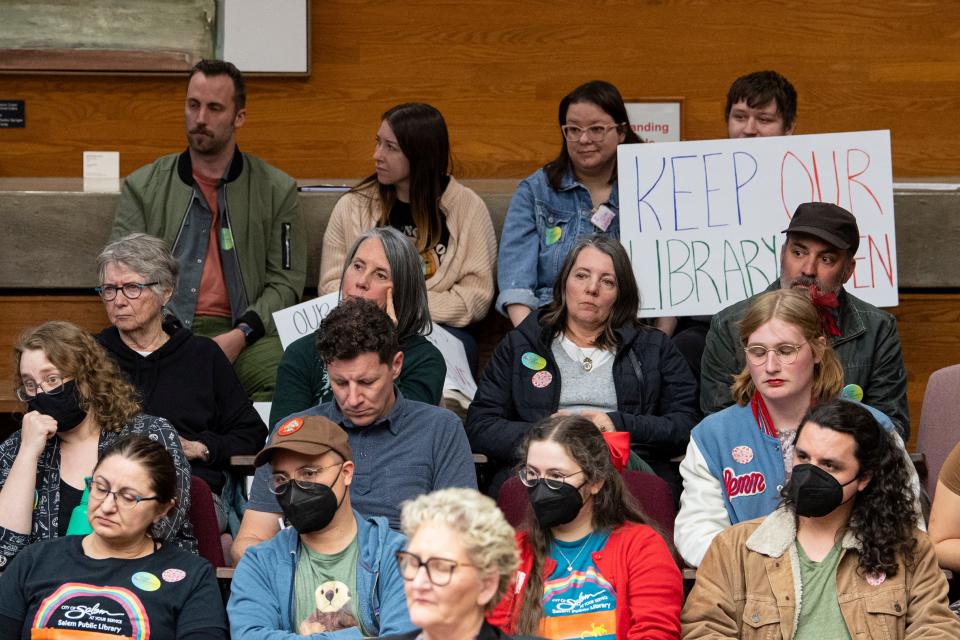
<point>656,393</point>
<point>190,382</point>
<point>487,632</point>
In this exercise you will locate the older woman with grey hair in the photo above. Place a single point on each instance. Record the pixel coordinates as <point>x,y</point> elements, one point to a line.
<point>181,377</point>
<point>460,559</point>
<point>382,266</point>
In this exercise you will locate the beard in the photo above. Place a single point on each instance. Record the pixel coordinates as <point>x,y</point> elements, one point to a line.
<point>203,142</point>
<point>805,282</point>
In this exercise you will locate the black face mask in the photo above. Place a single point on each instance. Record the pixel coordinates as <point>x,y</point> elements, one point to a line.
<point>554,507</point>
<point>64,407</point>
<point>814,492</point>
<point>309,509</point>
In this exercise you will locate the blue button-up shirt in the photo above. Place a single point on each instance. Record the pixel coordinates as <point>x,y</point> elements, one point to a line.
<point>417,448</point>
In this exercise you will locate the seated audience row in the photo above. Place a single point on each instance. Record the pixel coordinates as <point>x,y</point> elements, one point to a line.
<point>231,283</point>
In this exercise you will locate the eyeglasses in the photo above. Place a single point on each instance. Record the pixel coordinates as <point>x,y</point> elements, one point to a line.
<point>131,290</point>
<point>51,386</point>
<point>786,353</point>
<point>124,499</point>
<point>531,478</point>
<point>304,477</point>
<point>595,133</point>
<point>439,570</point>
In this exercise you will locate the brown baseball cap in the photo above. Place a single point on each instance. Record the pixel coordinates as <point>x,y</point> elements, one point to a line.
<point>309,435</point>
<point>834,225</point>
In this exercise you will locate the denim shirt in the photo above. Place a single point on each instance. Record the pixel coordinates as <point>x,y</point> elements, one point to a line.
<point>530,251</point>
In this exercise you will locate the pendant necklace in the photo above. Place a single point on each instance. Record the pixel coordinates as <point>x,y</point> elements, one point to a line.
<point>568,560</point>
<point>587,362</point>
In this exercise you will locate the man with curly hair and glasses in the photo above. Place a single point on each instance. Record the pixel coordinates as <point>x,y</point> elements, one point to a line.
<point>841,558</point>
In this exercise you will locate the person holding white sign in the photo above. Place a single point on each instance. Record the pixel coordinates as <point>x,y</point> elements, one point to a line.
<point>762,103</point>
<point>573,195</point>
<point>587,353</point>
<point>818,257</point>
<point>759,104</point>
<point>448,223</point>
<point>382,266</point>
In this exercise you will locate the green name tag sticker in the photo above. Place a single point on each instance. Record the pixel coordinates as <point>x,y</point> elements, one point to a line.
<point>533,361</point>
<point>552,235</point>
<point>226,239</point>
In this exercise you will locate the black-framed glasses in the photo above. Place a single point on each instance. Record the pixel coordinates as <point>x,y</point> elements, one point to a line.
<point>595,133</point>
<point>530,478</point>
<point>124,498</point>
<point>304,477</point>
<point>131,290</point>
<point>786,353</point>
<point>439,570</point>
<point>28,389</point>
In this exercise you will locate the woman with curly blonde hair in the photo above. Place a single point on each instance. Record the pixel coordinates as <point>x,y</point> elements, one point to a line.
<point>77,404</point>
<point>459,561</point>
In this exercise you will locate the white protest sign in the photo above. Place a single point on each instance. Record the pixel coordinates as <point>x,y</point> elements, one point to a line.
<point>702,220</point>
<point>299,320</point>
<point>459,376</point>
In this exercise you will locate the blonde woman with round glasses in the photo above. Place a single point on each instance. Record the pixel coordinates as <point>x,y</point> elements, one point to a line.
<point>738,459</point>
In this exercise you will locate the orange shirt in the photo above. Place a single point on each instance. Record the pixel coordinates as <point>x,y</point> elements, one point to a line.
<point>213,299</point>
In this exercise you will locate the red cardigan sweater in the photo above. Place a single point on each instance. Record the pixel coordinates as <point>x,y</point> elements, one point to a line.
<point>644,576</point>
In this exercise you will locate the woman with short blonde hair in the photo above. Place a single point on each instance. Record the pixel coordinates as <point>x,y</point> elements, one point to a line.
<point>459,561</point>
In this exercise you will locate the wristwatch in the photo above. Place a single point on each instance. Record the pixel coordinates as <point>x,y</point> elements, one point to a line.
<point>247,331</point>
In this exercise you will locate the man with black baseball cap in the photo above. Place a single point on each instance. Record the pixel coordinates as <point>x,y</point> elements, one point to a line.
<point>332,572</point>
<point>818,256</point>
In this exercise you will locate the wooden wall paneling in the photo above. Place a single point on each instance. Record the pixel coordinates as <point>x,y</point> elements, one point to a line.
<point>497,69</point>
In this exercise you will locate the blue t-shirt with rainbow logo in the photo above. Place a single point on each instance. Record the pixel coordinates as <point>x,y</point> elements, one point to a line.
<point>578,602</point>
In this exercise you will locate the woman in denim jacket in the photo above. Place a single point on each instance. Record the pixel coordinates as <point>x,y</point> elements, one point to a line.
<point>572,196</point>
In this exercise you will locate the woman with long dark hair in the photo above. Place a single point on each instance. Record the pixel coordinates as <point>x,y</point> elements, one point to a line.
<point>842,556</point>
<point>573,195</point>
<point>121,579</point>
<point>586,353</point>
<point>588,560</point>
<point>413,191</point>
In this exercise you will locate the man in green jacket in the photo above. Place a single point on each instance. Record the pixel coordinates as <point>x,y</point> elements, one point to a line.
<point>234,224</point>
<point>822,241</point>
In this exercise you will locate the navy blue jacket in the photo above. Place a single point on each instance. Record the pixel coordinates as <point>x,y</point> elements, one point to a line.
<point>656,393</point>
